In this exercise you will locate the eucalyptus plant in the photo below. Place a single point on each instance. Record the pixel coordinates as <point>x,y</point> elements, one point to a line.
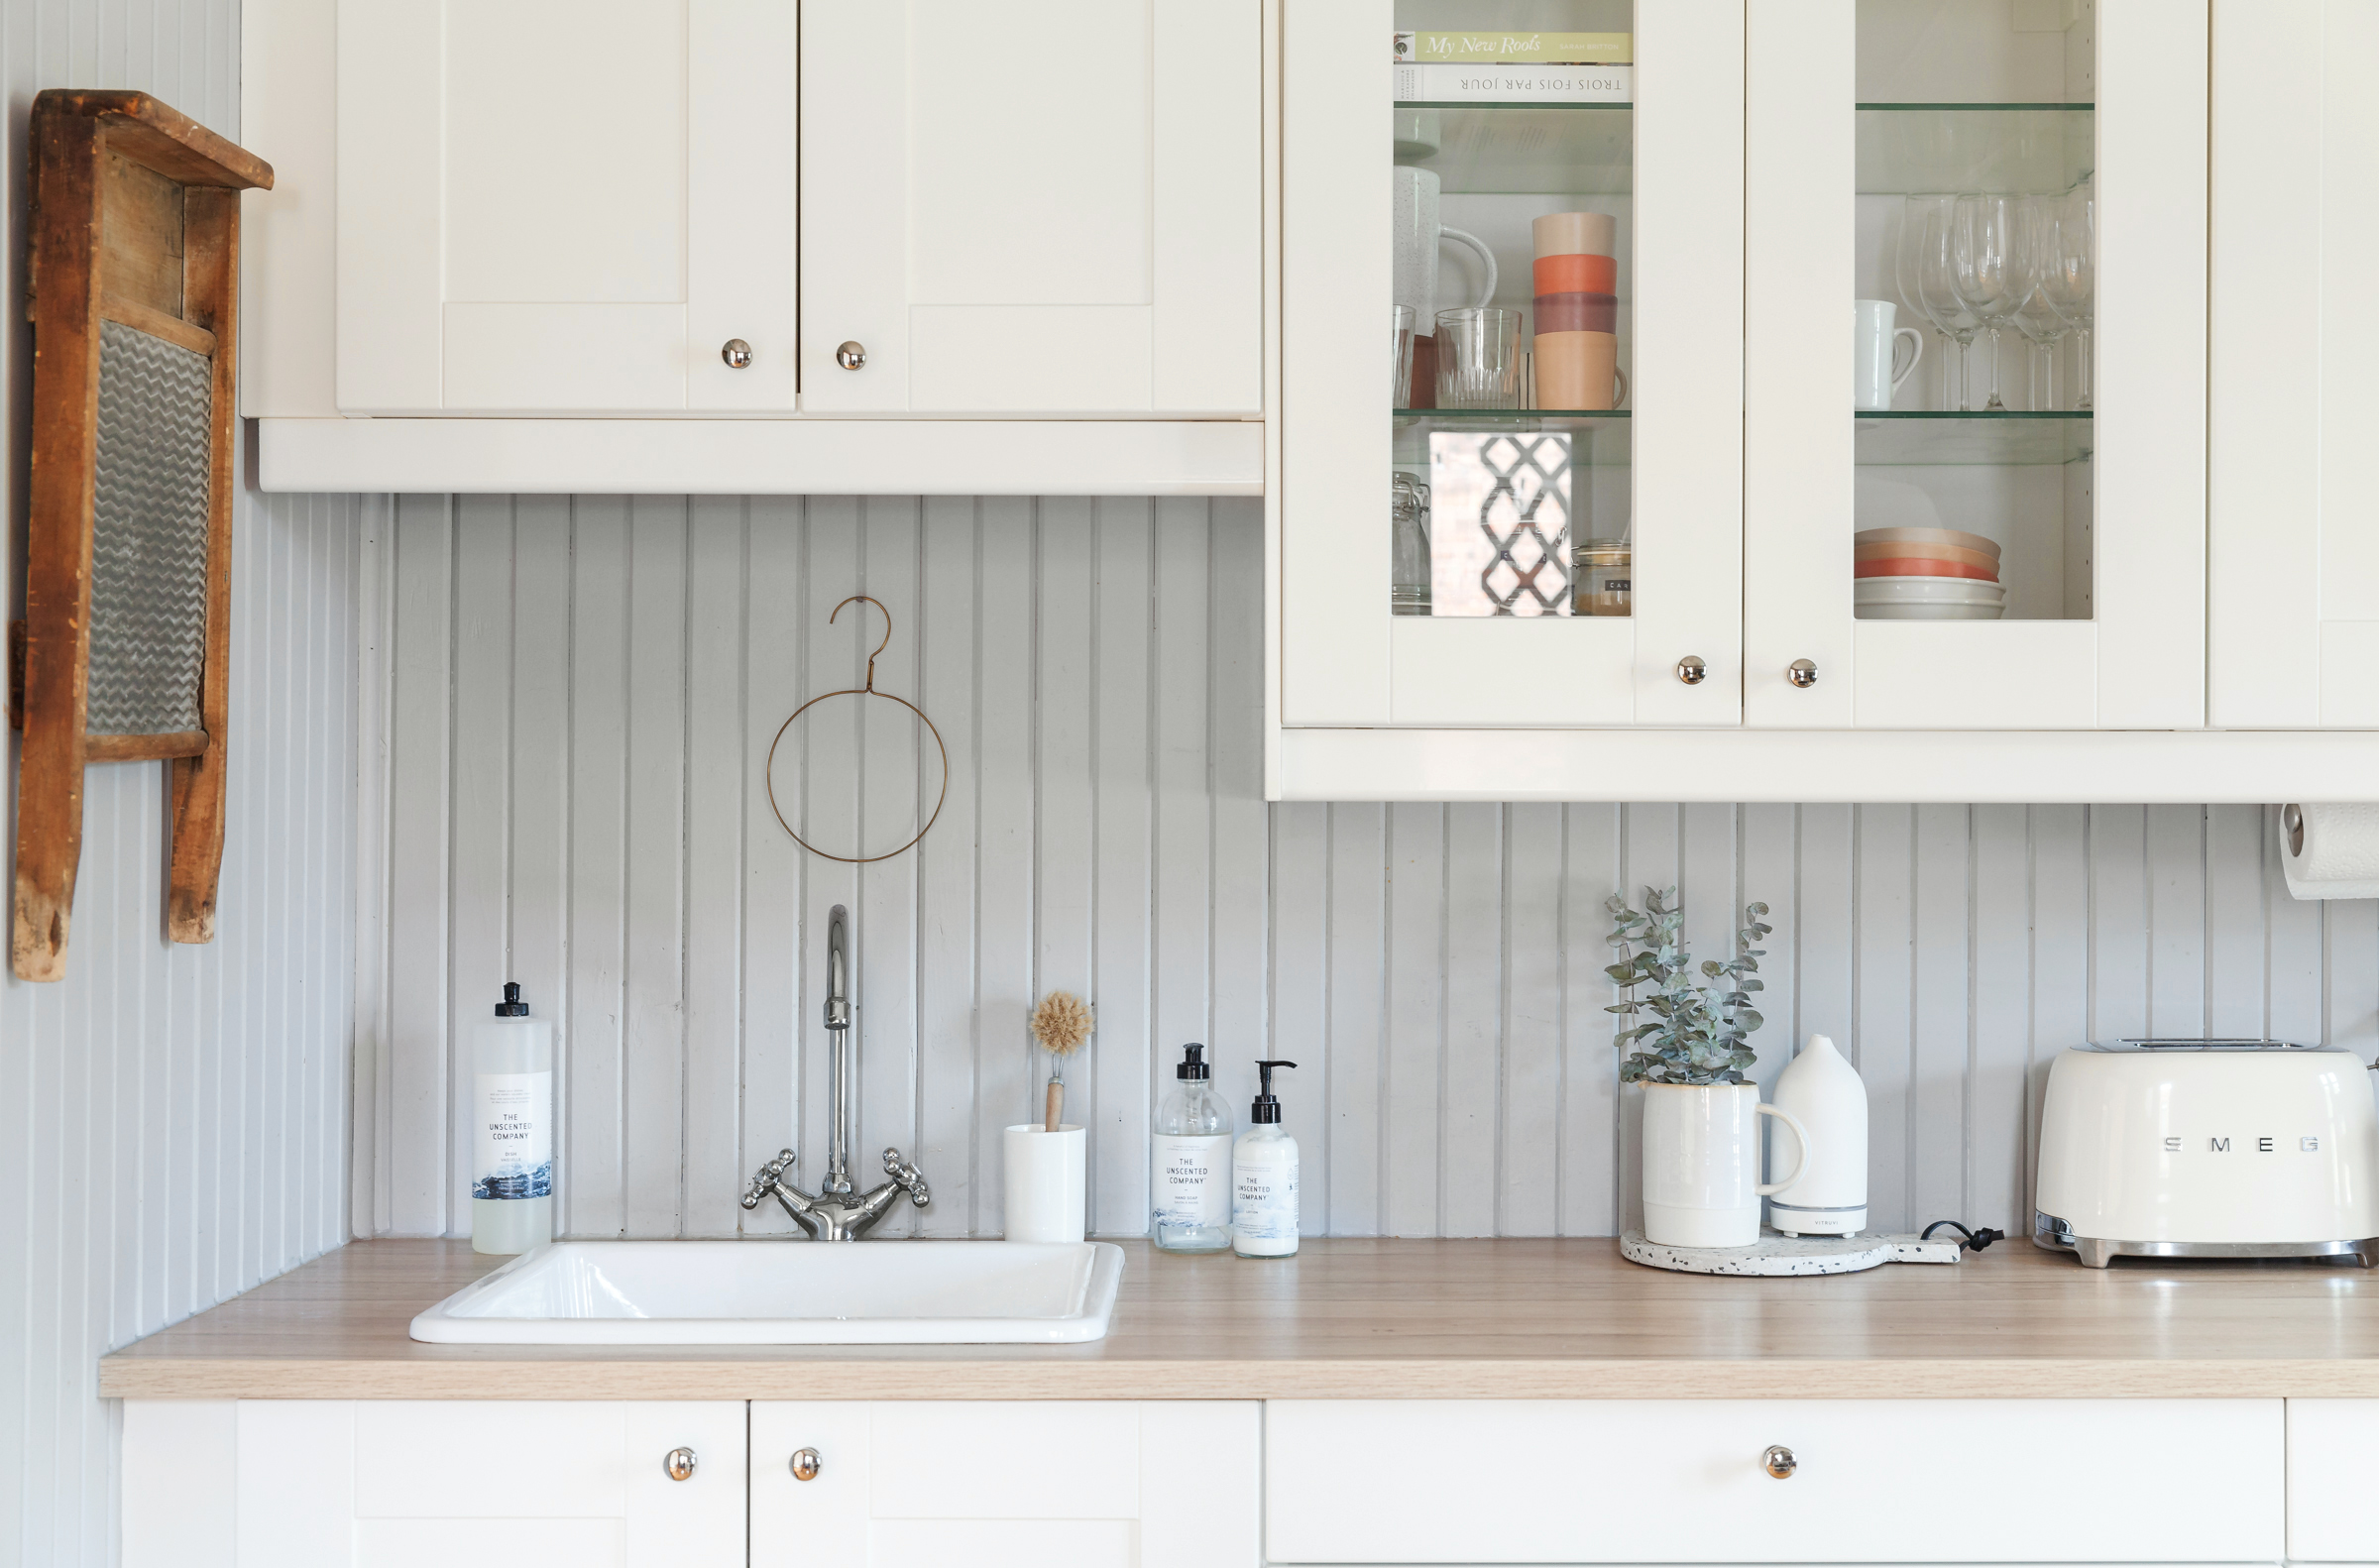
<point>1696,1034</point>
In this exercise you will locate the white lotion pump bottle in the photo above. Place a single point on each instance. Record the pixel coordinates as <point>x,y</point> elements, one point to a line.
<point>512,1134</point>
<point>1823,1093</point>
<point>1190,1151</point>
<point>1264,1179</point>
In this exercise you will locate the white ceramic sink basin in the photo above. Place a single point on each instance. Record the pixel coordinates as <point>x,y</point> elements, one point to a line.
<point>786,1293</point>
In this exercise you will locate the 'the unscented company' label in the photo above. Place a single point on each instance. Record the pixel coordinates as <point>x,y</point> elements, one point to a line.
<point>1193,1180</point>
<point>513,1148</point>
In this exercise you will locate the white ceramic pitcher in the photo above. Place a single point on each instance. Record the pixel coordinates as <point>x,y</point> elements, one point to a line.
<point>1701,1162</point>
<point>1417,235</point>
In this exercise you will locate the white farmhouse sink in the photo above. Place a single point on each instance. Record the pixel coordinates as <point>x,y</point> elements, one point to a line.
<point>786,1293</point>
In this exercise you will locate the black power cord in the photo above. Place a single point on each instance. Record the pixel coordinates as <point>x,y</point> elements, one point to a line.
<point>1975,1240</point>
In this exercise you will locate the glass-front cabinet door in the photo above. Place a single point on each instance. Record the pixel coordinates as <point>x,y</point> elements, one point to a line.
<point>1511,340</point>
<point>1975,391</point>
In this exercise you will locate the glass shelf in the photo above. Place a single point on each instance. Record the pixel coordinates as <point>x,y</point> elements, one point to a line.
<point>2010,437</point>
<point>1599,438</point>
<point>1532,149</point>
<point>1917,147</point>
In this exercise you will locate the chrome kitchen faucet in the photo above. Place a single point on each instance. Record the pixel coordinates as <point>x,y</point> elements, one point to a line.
<point>834,1214</point>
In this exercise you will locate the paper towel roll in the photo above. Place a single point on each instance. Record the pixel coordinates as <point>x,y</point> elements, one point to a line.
<point>2330,850</point>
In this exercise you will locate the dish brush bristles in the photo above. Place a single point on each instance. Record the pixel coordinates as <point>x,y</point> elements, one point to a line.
<point>1061,1024</point>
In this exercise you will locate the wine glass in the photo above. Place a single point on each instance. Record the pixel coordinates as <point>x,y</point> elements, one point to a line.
<point>2034,254</point>
<point>1927,275</point>
<point>1982,274</point>
<point>2072,285</point>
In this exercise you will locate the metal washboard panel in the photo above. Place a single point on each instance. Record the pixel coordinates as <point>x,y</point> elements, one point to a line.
<point>149,535</point>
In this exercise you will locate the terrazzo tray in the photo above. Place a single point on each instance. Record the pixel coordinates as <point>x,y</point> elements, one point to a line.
<point>1774,1254</point>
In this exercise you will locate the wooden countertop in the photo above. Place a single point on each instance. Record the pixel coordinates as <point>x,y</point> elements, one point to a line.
<point>1373,1320</point>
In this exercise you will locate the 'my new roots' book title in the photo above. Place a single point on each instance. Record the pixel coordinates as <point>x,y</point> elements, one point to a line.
<point>1514,67</point>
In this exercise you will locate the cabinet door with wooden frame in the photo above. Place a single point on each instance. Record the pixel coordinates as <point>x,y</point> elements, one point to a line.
<point>126,637</point>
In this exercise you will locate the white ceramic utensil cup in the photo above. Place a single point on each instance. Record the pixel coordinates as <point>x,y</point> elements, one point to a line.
<point>1701,1162</point>
<point>1418,234</point>
<point>1045,1192</point>
<point>1877,345</point>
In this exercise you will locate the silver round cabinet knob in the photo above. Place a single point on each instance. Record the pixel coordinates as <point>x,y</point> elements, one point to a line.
<point>851,356</point>
<point>1801,673</point>
<point>737,353</point>
<point>679,1464</point>
<point>806,1464</point>
<point>1778,1462</point>
<point>1691,670</point>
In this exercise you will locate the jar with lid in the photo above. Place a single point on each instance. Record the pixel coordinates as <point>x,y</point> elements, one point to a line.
<point>1600,577</point>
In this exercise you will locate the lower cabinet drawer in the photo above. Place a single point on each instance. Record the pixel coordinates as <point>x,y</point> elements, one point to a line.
<point>1871,1481</point>
<point>2333,1453</point>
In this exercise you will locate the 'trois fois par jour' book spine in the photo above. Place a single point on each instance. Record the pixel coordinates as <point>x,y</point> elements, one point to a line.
<point>1523,83</point>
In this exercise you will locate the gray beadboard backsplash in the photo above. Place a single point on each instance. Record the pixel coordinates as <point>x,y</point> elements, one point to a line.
<point>580,694</point>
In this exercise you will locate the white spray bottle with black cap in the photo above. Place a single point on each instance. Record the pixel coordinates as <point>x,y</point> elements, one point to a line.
<point>511,1135</point>
<point>1264,1179</point>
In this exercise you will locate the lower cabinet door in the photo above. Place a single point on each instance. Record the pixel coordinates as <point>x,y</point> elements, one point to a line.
<point>1740,1480</point>
<point>1103,1484</point>
<point>2333,1452</point>
<point>530,1484</point>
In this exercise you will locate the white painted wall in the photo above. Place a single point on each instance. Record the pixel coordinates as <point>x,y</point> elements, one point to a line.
<point>1094,667</point>
<point>171,1118</point>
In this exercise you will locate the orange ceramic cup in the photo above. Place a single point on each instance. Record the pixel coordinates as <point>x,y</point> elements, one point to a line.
<point>1576,370</point>
<point>1576,275</point>
<point>1915,568</point>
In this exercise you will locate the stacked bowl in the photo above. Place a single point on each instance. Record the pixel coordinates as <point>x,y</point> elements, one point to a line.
<point>1578,310</point>
<point>1925,573</point>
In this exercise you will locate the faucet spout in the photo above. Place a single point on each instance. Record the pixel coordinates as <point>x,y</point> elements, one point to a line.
<point>835,1213</point>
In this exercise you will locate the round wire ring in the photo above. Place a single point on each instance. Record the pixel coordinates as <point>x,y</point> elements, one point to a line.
<point>769,770</point>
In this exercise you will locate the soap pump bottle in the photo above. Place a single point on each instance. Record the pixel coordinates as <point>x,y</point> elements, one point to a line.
<point>1264,1179</point>
<point>1191,1158</point>
<point>512,1143</point>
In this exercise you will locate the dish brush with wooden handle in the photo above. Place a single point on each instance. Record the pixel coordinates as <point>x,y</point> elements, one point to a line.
<point>1061,1024</point>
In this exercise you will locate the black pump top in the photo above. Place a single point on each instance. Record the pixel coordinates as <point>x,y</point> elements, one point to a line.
<point>1194,1061</point>
<point>511,1006</point>
<point>1268,1107</point>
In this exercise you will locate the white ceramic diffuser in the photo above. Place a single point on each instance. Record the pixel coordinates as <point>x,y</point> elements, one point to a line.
<point>1823,1092</point>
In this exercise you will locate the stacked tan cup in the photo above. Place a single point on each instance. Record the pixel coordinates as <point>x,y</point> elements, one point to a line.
<point>1925,573</point>
<point>1578,310</point>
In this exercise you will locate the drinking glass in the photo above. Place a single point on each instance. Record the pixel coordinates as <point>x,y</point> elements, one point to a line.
<point>2033,251</point>
<point>1478,358</point>
<point>1400,387</point>
<point>1932,272</point>
<point>1982,228</point>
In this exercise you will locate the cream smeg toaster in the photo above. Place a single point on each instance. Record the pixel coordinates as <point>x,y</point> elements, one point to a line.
<point>2208,1149</point>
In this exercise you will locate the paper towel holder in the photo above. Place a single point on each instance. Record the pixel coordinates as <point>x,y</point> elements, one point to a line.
<point>2292,825</point>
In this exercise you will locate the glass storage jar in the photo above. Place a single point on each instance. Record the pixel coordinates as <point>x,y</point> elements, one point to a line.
<point>1600,575</point>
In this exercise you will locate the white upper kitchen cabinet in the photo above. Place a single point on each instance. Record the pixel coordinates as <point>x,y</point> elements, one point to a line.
<point>729,247</point>
<point>1472,627</point>
<point>565,206</point>
<point>2295,550</point>
<point>2025,178</point>
<point>1052,207</point>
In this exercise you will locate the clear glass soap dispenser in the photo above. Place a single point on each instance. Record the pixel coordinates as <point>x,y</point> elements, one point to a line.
<point>1190,1182</point>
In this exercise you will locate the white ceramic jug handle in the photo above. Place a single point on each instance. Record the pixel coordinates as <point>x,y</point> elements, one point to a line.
<point>1800,1132</point>
<point>1465,236</point>
<point>1915,337</point>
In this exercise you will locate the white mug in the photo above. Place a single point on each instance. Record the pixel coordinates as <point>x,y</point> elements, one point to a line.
<point>1701,1164</point>
<point>1877,345</point>
<point>1417,235</point>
